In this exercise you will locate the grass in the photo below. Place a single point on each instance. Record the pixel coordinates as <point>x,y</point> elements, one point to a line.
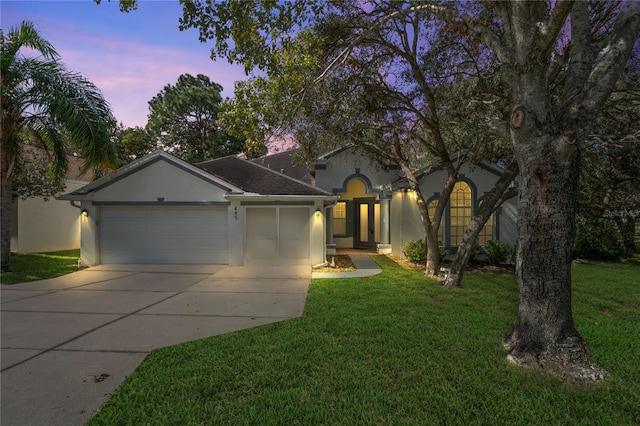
<point>39,266</point>
<point>394,349</point>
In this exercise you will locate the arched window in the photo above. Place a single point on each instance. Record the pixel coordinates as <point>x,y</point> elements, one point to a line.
<point>460,205</point>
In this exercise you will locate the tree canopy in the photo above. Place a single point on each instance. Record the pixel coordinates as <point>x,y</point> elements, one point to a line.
<point>131,143</point>
<point>183,119</point>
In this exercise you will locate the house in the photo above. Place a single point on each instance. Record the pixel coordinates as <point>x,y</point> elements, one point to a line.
<point>43,225</point>
<point>160,209</point>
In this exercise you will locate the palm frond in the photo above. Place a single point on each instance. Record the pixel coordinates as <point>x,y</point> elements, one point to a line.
<point>18,37</point>
<point>40,94</point>
<point>75,104</point>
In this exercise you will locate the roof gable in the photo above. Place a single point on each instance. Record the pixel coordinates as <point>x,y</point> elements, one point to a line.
<point>157,175</point>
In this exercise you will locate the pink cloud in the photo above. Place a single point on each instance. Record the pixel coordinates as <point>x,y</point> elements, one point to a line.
<point>130,73</point>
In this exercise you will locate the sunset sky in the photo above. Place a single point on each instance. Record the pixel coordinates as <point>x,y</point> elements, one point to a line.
<point>129,56</point>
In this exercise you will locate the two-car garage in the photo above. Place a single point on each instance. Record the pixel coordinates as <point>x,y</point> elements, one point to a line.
<point>198,235</point>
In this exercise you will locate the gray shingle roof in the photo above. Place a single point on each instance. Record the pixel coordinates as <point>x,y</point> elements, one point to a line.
<point>282,162</point>
<point>254,178</point>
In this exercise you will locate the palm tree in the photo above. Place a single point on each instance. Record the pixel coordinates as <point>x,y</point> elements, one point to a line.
<point>60,110</point>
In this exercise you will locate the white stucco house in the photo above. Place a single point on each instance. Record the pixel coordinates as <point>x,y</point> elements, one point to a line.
<point>44,225</point>
<point>160,209</point>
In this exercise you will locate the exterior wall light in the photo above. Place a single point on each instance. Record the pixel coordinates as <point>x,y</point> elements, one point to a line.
<point>318,213</point>
<point>84,213</point>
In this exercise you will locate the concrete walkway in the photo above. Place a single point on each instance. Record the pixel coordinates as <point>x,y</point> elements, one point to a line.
<point>67,343</point>
<point>365,267</point>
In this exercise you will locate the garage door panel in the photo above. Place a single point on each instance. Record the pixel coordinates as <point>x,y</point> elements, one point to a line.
<point>277,236</point>
<point>294,223</point>
<point>293,249</point>
<point>294,233</point>
<point>157,234</point>
<point>262,249</point>
<point>261,232</point>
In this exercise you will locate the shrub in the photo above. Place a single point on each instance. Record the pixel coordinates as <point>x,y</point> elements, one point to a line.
<point>597,239</point>
<point>416,251</point>
<point>497,251</point>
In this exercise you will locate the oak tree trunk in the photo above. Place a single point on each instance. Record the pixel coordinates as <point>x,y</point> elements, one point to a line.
<point>433,252</point>
<point>546,132</point>
<point>430,225</point>
<point>543,335</point>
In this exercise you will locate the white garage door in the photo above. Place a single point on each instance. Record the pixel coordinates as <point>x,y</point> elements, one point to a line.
<point>159,234</point>
<point>277,236</point>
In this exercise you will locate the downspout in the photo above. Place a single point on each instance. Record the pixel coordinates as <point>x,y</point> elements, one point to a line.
<point>324,234</point>
<point>73,203</point>
<point>324,237</point>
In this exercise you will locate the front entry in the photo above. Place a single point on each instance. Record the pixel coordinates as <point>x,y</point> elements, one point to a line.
<point>367,223</point>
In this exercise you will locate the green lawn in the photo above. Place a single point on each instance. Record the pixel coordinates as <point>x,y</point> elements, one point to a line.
<point>395,349</point>
<point>38,266</point>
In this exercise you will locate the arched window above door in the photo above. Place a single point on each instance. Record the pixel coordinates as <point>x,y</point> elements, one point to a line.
<point>343,210</point>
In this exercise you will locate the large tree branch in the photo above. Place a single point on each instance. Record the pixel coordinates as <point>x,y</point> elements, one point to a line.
<point>476,28</point>
<point>581,54</point>
<point>344,54</point>
<point>550,29</point>
<point>611,63</point>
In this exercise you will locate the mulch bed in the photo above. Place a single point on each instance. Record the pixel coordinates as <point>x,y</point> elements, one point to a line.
<point>471,267</point>
<point>343,264</point>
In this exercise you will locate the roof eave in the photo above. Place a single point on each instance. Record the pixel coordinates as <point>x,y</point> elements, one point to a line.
<point>260,197</point>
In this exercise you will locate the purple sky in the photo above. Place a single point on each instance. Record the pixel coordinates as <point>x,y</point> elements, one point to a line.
<point>129,56</point>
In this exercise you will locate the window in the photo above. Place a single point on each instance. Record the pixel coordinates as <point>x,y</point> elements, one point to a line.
<point>459,211</point>
<point>340,218</point>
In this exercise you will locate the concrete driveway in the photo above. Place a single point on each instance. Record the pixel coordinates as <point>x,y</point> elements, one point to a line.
<point>69,342</point>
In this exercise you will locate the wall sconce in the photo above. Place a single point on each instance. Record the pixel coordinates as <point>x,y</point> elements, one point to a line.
<point>84,213</point>
<point>318,213</point>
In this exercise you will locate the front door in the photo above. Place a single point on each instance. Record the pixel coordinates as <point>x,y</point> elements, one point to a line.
<point>367,223</point>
